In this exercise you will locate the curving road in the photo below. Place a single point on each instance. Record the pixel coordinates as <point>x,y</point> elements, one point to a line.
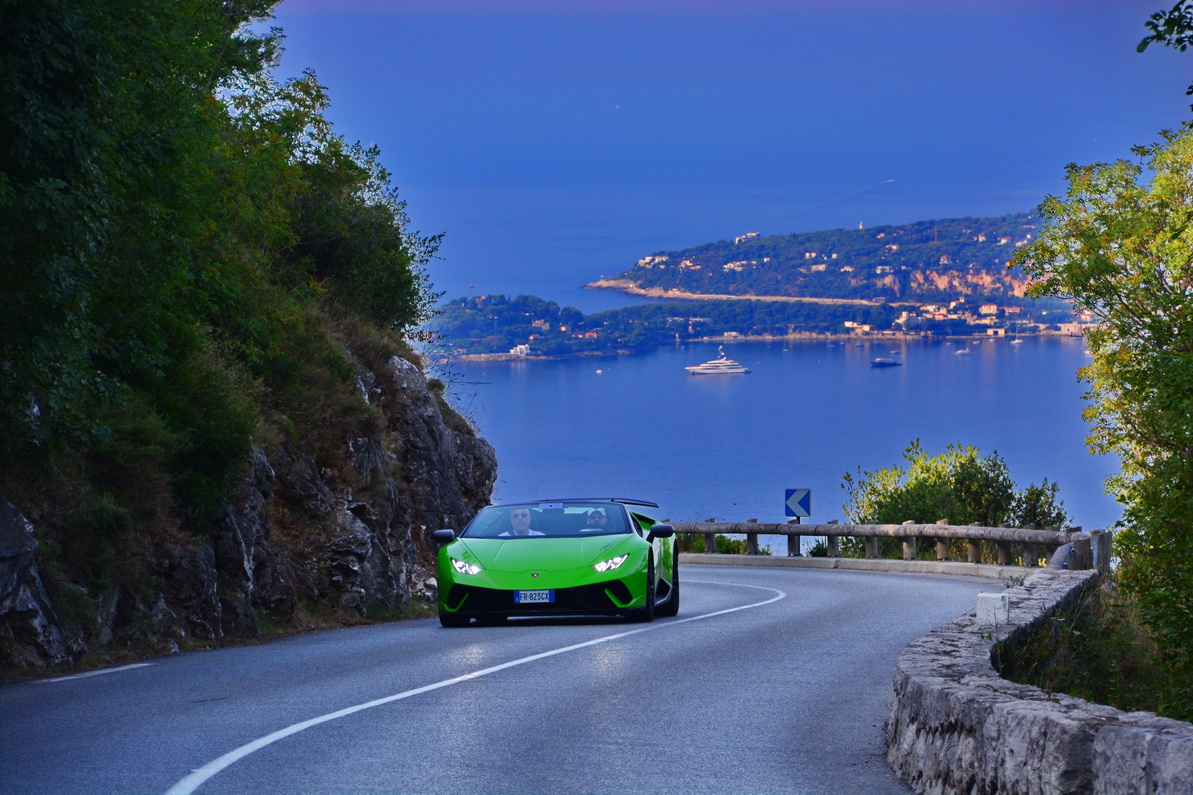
<point>770,680</point>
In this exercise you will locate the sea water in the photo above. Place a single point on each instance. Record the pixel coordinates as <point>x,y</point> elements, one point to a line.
<point>728,446</point>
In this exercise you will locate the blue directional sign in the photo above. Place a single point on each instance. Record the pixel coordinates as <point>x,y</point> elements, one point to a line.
<point>799,502</point>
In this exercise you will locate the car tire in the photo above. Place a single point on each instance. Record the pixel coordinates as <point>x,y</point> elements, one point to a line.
<point>453,621</point>
<point>671,608</point>
<point>646,614</point>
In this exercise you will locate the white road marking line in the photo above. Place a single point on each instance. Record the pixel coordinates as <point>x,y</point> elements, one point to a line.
<point>202,774</point>
<point>95,673</point>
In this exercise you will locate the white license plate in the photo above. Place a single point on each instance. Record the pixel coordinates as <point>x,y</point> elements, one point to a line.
<point>533,597</point>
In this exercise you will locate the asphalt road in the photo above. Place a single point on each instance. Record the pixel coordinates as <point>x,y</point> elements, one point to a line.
<point>769,681</point>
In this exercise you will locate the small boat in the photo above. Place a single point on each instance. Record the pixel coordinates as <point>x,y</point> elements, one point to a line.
<point>718,366</point>
<point>1016,341</point>
<point>882,362</point>
<point>963,352</point>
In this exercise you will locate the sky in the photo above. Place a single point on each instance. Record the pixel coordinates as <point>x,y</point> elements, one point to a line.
<point>553,142</point>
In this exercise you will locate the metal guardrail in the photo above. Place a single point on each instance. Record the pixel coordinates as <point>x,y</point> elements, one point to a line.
<point>1089,550</point>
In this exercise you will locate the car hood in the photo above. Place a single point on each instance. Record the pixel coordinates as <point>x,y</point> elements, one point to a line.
<point>547,554</point>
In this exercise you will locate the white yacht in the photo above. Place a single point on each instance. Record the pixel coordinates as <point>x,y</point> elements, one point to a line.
<point>722,364</point>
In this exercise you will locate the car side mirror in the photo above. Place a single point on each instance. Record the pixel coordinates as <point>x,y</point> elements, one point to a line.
<point>444,536</point>
<point>660,530</point>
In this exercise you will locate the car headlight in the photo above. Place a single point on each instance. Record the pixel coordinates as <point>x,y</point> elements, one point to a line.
<point>611,563</point>
<point>465,568</point>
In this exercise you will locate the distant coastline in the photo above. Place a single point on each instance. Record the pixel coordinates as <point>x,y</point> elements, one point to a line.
<point>627,287</point>
<point>798,336</point>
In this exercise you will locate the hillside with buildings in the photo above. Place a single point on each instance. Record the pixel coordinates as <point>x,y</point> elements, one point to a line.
<point>930,278</point>
<point>926,261</point>
<point>529,326</point>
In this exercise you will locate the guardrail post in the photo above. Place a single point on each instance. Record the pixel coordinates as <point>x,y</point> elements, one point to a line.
<point>751,539</point>
<point>871,546</point>
<point>1027,551</point>
<point>1101,548</point>
<point>942,545</point>
<point>909,545</point>
<point>834,544</point>
<point>793,541</point>
<point>974,550</point>
<point>1082,554</point>
<point>710,539</point>
<point>1005,555</point>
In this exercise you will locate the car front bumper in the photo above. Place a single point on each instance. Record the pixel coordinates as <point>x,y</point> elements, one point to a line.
<point>613,597</point>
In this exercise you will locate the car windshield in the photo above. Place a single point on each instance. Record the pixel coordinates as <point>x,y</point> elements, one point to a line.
<point>548,519</point>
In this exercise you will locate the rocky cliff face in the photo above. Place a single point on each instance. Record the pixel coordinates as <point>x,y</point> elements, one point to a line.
<point>937,285</point>
<point>352,540</point>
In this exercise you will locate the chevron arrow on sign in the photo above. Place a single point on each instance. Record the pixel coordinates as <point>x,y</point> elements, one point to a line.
<point>799,502</point>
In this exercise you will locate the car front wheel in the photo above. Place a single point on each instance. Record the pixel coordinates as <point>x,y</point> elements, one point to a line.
<point>646,614</point>
<point>671,608</point>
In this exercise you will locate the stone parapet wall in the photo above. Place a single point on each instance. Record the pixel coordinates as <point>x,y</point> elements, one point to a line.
<point>956,726</point>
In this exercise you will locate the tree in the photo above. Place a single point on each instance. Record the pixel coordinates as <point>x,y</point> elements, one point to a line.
<point>1172,28</point>
<point>102,121</point>
<point>177,229</point>
<point>958,485</point>
<point>1119,245</point>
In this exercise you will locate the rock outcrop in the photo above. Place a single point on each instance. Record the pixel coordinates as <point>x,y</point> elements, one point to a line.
<point>29,629</point>
<point>347,539</point>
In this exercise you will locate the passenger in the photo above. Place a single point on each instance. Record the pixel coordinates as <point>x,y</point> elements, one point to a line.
<point>520,524</point>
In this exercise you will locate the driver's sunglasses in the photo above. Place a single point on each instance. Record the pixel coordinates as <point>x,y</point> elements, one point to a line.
<point>520,514</point>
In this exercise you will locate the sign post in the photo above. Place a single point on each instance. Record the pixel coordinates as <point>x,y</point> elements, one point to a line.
<point>797,503</point>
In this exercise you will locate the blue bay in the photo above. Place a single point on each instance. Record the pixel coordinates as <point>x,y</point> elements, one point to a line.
<point>728,446</point>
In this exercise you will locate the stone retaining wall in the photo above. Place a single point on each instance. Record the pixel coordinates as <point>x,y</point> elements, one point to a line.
<point>956,726</point>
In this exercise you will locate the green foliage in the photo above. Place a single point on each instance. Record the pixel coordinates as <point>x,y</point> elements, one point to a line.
<point>352,235</point>
<point>958,485</point>
<point>96,534</point>
<point>189,256</point>
<point>1172,28</point>
<point>689,542</point>
<point>1038,506</point>
<point>1096,650</point>
<point>1118,245</point>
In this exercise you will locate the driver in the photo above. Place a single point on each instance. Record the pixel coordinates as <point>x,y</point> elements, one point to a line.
<point>596,518</point>
<point>520,524</point>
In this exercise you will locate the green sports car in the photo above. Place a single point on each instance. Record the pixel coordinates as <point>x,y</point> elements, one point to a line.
<point>558,558</point>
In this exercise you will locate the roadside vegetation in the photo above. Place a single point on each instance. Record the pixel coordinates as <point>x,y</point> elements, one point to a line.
<point>1097,650</point>
<point>959,486</point>
<point>193,263</point>
<point>1118,245</point>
